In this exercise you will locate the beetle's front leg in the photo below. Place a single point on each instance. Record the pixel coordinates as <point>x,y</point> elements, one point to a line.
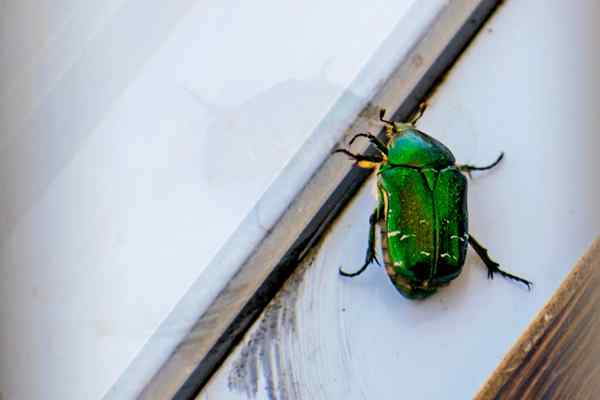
<point>370,256</point>
<point>492,266</point>
<point>468,168</point>
<point>373,139</point>
<point>361,160</point>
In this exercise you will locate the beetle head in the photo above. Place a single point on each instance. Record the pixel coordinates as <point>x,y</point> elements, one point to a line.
<point>396,128</point>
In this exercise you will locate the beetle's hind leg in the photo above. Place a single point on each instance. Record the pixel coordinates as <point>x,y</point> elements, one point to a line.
<point>468,168</point>
<point>361,160</point>
<point>492,266</point>
<point>370,256</point>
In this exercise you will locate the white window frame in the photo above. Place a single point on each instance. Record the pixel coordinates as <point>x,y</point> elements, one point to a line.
<point>238,305</point>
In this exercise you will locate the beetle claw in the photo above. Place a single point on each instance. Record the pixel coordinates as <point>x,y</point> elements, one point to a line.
<point>523,281</point>
<point>352,274</point>
<point>515,278</point>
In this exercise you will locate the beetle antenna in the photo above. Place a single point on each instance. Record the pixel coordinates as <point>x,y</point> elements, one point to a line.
<point>381,117</point>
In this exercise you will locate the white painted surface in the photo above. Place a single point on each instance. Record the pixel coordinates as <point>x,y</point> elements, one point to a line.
<point>138,137</point>
<point>529,86</point>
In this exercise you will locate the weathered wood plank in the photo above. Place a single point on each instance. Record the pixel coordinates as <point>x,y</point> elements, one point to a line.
<point>558,357</point>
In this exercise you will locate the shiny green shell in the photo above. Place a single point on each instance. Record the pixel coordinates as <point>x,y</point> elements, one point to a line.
<point>425,224</point>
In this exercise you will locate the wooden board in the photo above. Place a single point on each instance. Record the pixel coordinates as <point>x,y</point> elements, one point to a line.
<point>557,357</point>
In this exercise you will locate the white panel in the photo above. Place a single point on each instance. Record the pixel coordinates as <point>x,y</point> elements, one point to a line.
<point>39,43</point>
<point>528,86</point>
<point>138,137</point>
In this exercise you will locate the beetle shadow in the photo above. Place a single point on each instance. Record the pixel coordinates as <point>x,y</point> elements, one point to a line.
<point>248,143</point>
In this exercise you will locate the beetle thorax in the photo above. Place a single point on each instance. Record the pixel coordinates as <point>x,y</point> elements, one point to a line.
<point>413,148</point>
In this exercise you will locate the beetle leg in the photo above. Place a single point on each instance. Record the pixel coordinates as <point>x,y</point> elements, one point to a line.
<point>492,266</point>
<point>391,127</point>
<point>363,161</point>
<point>370,256</point>
<point>417,116</point>
<point>468,168</point>
<point>373,139</point>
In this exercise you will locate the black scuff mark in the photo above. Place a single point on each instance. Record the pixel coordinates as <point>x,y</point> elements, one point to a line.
<point>265,356</point>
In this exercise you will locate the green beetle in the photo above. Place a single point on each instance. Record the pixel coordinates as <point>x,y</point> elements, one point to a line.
<point>422,210</point>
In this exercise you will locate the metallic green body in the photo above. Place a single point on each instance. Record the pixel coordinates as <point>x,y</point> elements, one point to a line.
<point>414,148</point>
<point>422,210</point>
<point>423,196</point>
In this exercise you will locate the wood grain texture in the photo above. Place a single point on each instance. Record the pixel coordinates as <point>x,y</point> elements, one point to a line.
<point>558,357</point>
